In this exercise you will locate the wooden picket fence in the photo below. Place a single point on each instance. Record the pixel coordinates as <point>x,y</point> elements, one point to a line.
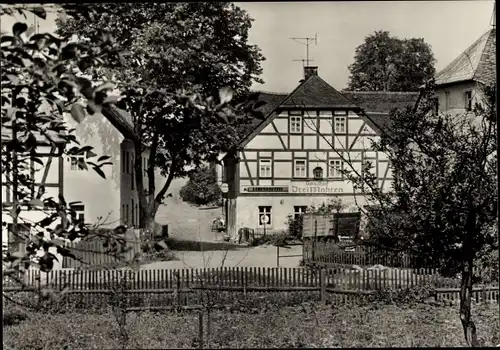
<point>94,253</point>
<point>329,252</point>
<point>165,288</point>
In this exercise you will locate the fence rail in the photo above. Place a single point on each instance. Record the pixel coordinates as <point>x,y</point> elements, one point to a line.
<point>94,253</point>
<point>181,286</point>
<point>329,254</point>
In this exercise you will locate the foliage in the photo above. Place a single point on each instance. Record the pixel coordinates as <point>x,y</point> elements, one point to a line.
<point>180,54</point>
<point>295,226</point>
<point>333,205</point>
<point>409,295</point>
<point>386,63</point>
<point>487,267</point>
<point>303,325</point>
<point>442,205</point>
<point>13,316</point>
<point>43,83</point>
<point>202,188</point>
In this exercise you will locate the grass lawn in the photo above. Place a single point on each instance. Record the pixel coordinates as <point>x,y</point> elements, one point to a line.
<point>306,325</point>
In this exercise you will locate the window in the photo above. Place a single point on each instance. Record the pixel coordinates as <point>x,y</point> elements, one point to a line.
<point>299,211</point>
<point>76,163</point>
<point>80,212</point>
<point>318,173</point>
<point>299,168</point>
<point>265,212</point>
<point>137,214</point>
<point>295,124</point>
<point>126,162</point>
<point>126,214</point>
<point>340,125</point>
<point>335,168</point>
<point>468,101</point>
<point>132,180</point>
<point>265,167</point>
<point>132,212</point>
<point>145,166</point>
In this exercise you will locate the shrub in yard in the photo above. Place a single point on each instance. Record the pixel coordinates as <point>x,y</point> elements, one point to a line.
<point>13,315</point>
<point>295,226</point>
<point>487,268</point>
<point>408,295</point>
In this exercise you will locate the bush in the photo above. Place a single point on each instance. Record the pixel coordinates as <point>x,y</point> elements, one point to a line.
<point>13,316</point>
<point>295,226</point>
<point>405,296</point>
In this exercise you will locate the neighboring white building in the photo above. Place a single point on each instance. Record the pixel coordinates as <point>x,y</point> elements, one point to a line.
<point>111,201</point>
<point>459,86</point>
<point>287,162</point>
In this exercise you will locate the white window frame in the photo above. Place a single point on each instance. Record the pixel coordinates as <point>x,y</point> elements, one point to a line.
<point>80,212</point>
<point>295,124</point>
<point>75,167</point>
<point>341,127</point>
<point>263,162</point>
<point>333,170</point>
<point>295,173</point>
<point>265,210</point>
<point>299,210</point>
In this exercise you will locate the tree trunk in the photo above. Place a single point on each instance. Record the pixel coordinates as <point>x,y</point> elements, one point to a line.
<point>465,304</point>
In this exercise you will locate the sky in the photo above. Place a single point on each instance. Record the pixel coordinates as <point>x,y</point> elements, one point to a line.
<point>448,26</point>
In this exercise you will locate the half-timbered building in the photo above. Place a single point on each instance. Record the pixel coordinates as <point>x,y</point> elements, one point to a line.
<point>109,201</point>
<point>293,158</point>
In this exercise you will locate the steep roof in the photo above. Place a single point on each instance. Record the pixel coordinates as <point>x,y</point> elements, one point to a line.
<point>477,63</point>
<point>373,106</point>
<point>272,100</point>
<point>312,92</point>
<point>315,92</point>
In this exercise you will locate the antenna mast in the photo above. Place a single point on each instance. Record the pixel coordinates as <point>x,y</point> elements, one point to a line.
<point>307,42</point>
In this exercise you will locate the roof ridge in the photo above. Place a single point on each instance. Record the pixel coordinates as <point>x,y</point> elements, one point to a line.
<point>491,33</point>
<point>381,92</point>
<point>453,72</point>
<point>290,98</point>
<point>270,92</point>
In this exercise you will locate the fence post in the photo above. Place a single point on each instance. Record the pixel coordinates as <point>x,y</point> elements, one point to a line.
<point>178,285</point>
<point>200,328</point>
<point>314,241</point>
<point>278,255</point>
<point>322,284</point>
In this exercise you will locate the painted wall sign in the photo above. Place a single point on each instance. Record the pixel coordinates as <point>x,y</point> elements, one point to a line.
<point>315,187</point>
<point>265,189</point>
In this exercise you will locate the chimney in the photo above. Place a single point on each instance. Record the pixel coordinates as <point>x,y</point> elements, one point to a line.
<point>310,70</point>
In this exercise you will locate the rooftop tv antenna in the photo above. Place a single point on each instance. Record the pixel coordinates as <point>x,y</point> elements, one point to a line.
<point>307,42</point>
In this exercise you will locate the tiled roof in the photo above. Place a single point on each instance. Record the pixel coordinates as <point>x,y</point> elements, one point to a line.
<point>477,63</point>
<point>378,104</point>
<point>272,101</point>
<point>381,101</point>
<point>315,92</point>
